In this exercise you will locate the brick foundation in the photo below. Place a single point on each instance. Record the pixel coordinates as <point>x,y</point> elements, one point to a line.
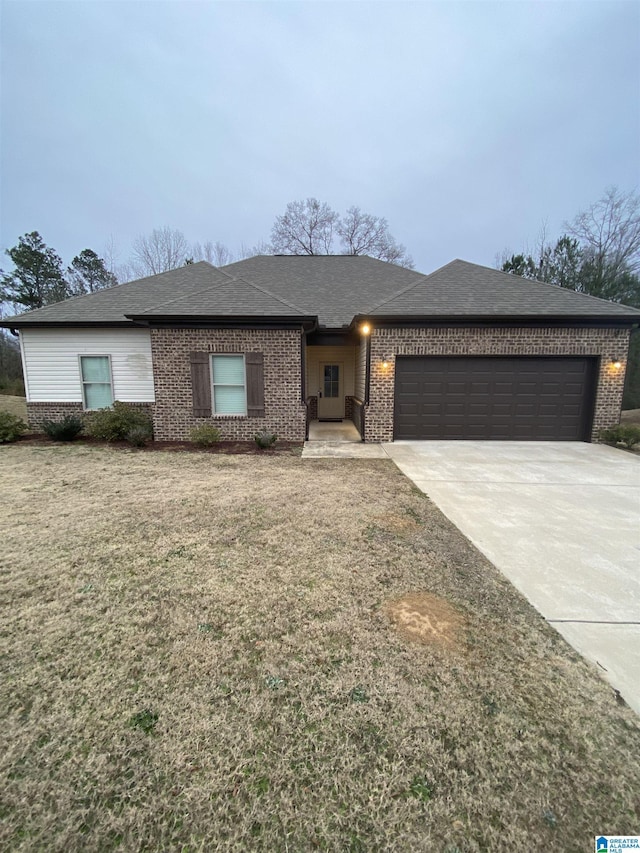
<point>607,344</point>
<point>348,407</point>
<point>284,411</point>
<point>39,412</point>
<point>358,416</point>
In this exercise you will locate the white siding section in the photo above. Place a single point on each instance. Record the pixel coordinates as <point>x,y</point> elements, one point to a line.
<point>52,368</point>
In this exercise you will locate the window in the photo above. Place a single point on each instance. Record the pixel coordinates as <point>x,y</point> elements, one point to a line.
<point>331,380</point>
<point>229,385</point>
<point>97,389</point>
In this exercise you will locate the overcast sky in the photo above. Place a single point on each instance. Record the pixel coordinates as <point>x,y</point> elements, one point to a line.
<point>465,124</point>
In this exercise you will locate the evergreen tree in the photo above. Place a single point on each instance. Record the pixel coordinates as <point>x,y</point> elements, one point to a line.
<point>89,273</point>
<point>37,279</point>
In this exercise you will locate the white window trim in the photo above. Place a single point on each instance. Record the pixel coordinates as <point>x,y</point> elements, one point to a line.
<point>227,385</point>
<point>82,380</point>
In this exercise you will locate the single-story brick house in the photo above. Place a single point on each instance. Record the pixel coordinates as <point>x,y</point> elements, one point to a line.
<point>273,342</point>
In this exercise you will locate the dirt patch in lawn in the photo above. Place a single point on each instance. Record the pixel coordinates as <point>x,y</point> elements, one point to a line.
<point>197,653</point>
<point>428,619</point>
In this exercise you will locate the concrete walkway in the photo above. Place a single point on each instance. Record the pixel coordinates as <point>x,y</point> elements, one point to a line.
<point>342,450</point>
<point>338,439</point>
<point>562,521</point>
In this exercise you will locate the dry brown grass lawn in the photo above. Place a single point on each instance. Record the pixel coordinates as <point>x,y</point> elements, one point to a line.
<point>630,416</point>
<point>254,605</point>
<point>15,405</point>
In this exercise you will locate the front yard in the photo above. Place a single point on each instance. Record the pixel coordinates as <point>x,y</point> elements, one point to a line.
<point>210,652</point>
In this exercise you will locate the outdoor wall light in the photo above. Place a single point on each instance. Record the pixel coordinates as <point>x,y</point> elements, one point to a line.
<point>616,364</point>
<point>365,328</point>
<point>385,362</point>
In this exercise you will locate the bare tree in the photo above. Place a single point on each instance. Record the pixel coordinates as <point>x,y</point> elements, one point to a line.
<point>214,253</point>
<point>164,249</point>
<point>261,248</point>
<point>306,228</point>
<point>111,255</point>
<point>599,256</point>
<point>363,234</point>
<point>609,231</point>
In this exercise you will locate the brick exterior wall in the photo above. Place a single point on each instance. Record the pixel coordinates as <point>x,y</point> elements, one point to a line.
<point>358,416</point>
<point>312,408</point>
<point>608,344</point>
<point>348,407</point>
<point>39,412</point>
<point>285,413</point>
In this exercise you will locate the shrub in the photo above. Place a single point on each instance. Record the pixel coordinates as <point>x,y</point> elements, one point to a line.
<point>65,430</point>
<point>265,439</point>
<point>12,387</point>
<point>10,427</point>
<point>116,423</point>
<point>626,434</point>
<point>205,435</point>
<point>138,436</point>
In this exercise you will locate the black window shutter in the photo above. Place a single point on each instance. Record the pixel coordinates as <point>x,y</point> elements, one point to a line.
<point>254,362</point>
<point>200,384</point>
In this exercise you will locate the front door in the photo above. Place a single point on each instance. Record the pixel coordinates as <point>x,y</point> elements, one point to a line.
<point>330,393</point>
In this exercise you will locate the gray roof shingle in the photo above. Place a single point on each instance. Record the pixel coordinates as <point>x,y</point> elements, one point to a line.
<point>111,305</point>
<point>334,288</point>
<point>464,289</point>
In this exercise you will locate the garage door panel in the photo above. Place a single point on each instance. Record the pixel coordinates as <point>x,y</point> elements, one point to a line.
<point>482,397</point>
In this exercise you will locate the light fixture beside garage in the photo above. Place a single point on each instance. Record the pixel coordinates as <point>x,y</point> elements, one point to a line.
<point>616,363</point>
<point>386,361</point>
<point>365,329</point>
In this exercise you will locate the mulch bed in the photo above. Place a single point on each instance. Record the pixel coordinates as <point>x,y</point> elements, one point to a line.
<point>224,447</point>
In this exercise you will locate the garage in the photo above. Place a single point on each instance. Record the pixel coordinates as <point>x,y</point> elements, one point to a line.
<point>543,398</point>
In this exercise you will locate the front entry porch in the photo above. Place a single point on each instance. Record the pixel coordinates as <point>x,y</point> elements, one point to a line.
<point>334,387</point>
<point>338,439</point>
<point>333,431</point>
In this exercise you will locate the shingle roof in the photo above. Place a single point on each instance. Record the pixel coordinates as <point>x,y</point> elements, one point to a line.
<point>112,304</point>
<point>334,288</point>
<point>194,289</point>
<point>466,290</point>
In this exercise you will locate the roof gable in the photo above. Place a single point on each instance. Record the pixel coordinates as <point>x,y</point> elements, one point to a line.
<point>462,289</point>
<point>332,287</point>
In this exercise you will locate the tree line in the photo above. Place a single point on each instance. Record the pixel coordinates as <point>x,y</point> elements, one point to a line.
<point>308,227</point>
<point>599,255</point>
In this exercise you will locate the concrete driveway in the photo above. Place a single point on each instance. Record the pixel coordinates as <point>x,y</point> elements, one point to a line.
<point>562,521</point>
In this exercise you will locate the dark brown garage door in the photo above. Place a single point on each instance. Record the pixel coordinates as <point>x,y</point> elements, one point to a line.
<point>525,398</point>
